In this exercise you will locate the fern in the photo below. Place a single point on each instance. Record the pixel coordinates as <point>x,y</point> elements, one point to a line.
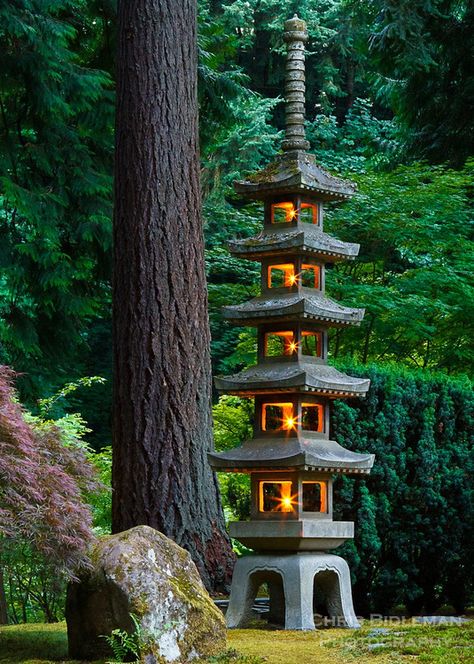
<point>123,644</point>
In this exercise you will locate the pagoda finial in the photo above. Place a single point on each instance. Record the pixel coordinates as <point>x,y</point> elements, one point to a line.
<point>295,36</point>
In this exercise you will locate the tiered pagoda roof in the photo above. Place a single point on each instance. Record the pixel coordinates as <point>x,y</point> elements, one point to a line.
<point>305,238</point>
<point>308,452</point>
<point>298,376</point>
<point>295,172</point>
<point>305,303</point>
<point>293,240</point>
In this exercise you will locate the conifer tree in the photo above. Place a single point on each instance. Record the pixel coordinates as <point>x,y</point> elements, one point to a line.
<point>162,374</point>
<point>55,185</point>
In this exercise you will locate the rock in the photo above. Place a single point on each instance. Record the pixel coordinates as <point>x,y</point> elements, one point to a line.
<point>376,646</point>
<point>377,631</point>
<point>142,572</point>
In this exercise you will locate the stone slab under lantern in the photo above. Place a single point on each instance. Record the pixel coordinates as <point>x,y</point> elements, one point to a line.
<point>302,535</point>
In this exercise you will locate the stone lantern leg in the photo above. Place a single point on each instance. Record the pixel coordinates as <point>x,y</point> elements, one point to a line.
<point>292,580</point>
<point>291,459</point>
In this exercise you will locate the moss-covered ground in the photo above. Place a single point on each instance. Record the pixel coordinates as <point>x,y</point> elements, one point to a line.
<point>403,644</point>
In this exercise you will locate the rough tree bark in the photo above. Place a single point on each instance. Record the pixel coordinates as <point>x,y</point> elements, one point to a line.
<point>162,372</point>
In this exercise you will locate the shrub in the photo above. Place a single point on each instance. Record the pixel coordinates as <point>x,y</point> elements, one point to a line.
<point>44,523</point>
<point>414,514</point>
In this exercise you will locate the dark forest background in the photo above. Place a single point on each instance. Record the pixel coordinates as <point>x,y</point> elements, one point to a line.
<point>390,92</point>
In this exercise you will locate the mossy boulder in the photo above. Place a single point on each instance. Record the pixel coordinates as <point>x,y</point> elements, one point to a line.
<point>142,572</point>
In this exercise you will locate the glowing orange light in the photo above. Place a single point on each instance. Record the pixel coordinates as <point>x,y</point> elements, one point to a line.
<point>309,213</point>
<point>283,212</point>
<point>312,416</point>
<point>291,214</point>
<point>311,274</point>
<point>284,272</point>
<point>284,416</point>
<point>323,496</point>
<point>270,417</point>
<point>286,500</point>
<point>292,347</point>
<point>276,497</point>
<point>280,343</point>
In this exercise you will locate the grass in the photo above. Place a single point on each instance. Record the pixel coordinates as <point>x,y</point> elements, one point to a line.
<point>424,644</point>
<point>404,644</point>
<point>33,643</point>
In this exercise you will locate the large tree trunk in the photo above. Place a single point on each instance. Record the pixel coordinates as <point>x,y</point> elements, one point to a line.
<point>162,376</point>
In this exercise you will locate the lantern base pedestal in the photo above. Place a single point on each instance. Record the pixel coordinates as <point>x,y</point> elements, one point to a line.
<point>294,582</point>
<point>292,535</point>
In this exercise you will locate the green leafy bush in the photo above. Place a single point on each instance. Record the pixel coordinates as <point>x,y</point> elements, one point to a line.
<point>415,513</point>
<point>54,498</point>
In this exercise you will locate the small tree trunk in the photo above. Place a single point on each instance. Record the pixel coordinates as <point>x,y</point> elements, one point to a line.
<point>3,601</point>
<point>368,334</point>
<point>350,83</point>
<point>162,427</point>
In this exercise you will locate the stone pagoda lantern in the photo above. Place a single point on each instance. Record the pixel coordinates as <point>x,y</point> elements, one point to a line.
<point>291,459</point>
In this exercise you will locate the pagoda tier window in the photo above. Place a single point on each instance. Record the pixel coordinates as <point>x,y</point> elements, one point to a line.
<point>315,497</point>
<point>312,417</point>
<point>310,275</point>
<point>282,275</point>
<point>312,343</point>
<point>275,497</point>
<point>286,212</point>
<point>278,417</point>
<point>308,213</point>
<point>279,344</point>
<point>282,213</point>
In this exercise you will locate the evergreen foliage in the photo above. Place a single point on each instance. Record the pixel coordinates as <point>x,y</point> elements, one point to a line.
<point>414,271</point>
<point>415,514</point>
<point>55,182</point>
<point>423,54</point>
<point>388,83</point>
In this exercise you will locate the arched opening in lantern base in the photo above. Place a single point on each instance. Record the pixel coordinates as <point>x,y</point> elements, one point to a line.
<point>327,604</point>
<point>267,596</point>
<point>297,586</point>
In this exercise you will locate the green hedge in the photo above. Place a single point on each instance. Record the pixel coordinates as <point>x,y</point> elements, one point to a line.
<point>415,513</point>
